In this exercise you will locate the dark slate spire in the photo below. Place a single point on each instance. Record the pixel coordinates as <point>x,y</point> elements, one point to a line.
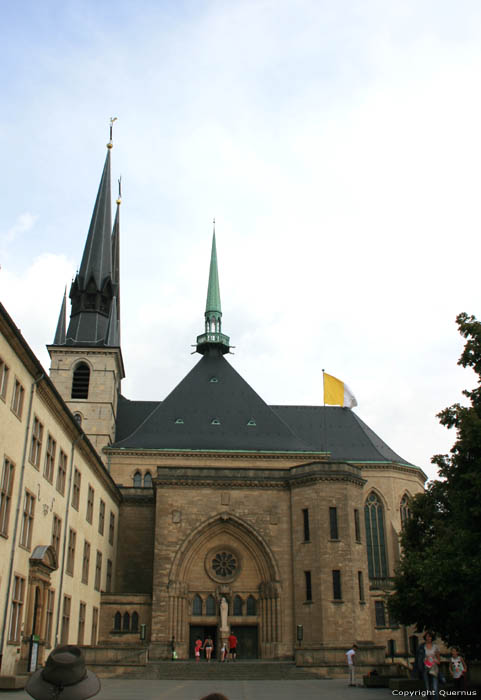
<point>213,336</point>
<point>97,282</point>
<point>113,330</point>
<point>62,322</point>
<point>116,254</point>
<point>96,262</point>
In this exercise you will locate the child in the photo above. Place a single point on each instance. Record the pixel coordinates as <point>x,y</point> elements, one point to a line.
<point>457,668</point>
<point>223,652</point>
<point>198,647</point>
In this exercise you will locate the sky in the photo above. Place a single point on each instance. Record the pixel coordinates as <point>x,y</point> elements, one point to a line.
<point>337,145</point>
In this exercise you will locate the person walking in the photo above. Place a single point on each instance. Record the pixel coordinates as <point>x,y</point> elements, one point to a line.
<point>208,647</point>
<point>427,661</point>
<point>350,664</point>
<point>64,677</point>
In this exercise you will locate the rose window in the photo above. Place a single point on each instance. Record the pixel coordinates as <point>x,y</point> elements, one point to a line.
<point>224,564</point>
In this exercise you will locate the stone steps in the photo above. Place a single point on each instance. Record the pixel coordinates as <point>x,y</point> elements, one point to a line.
<point>237,670</point>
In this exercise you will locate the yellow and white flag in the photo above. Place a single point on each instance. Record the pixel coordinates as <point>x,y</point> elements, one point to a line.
<point>336,393</point>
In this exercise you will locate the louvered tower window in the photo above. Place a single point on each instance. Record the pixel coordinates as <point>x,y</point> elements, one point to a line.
<point>80,382</point>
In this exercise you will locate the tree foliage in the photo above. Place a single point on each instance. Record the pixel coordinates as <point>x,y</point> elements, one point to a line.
<point>438,582</point>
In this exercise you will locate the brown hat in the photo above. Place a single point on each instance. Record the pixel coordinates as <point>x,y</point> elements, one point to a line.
<point>64,677</point>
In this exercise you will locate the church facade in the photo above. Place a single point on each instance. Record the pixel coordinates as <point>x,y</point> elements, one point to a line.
<point>287,517</point>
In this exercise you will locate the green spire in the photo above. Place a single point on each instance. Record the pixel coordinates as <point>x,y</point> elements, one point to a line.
<point>213,335</point>
<point>212,305</point>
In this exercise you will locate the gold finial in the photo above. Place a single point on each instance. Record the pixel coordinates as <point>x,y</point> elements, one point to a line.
<point>119,198</point>
<point>112,120</point>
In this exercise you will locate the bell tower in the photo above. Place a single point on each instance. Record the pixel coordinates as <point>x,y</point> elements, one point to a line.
<point>86,358</point>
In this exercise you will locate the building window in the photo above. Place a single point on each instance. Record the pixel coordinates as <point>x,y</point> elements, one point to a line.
<point>137,480</point>
<point>108,582</point>
<point>86,562</point>
<point>360,582</point>
<point>61,472</point>
<point>197,605</point>
<point>3,379</point>
<point>210,605</point>
<point>333,524</point>
<point>251,605</point>
<point>126,622</point>
<point>101,517</point>
<point>17,398</point>
<point>95,624</point>
<point>307,576</point>
<point>36,447</point>
<point>6,495</point>
<point>98,571</point>
<point>49,617</point>
<point>237,605</point>
<point>380,611</point>
<point>405,510</point>
<point>111,528</point>
<point>117,622</point>
<point>27,520</point>
<point>77,478</point>
<point>80,381</point>
<point>56,534</point>
<point>50,458</point>
<point>148,480</point>
<point>72,539</point>
<point>17,609</point>
<point>90,505</point>
<point>81,624</point>
<point>305,518</point>
<point>357,525</point>
<point>336,585</point>
<point>135,622</point>
<point>67,601</point>
<point>376,545</point>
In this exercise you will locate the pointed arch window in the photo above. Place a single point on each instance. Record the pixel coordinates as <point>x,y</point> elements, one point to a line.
<point>135,622</point>
<point>405,509</point>
<point>375,537</point>
<point>148,480</point>
<point>126,622</point>
<point>137,480</point>
<point>251,605</point>
<point>210,605</point>
<point>80,381</point>
<point>237,605</point>
<point>197,605</point>
<point>117,622</point>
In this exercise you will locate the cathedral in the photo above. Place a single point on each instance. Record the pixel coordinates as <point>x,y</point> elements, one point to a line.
<point>287,517</point>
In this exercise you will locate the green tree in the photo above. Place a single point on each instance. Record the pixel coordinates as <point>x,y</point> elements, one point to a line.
<point>438,581</point>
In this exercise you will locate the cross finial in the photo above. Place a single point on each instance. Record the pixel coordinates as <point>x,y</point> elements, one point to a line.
<point>213,222</point>
<point>119,198</point>
<point>112,120</point>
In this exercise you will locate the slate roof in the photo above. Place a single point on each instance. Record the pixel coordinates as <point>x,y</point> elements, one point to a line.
<point>197,401</point>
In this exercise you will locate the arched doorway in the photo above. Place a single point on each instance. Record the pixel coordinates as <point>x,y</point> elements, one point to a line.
<point>225,558</point>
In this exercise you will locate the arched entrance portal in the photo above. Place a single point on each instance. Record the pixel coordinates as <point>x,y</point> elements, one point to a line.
<point>225,558</point>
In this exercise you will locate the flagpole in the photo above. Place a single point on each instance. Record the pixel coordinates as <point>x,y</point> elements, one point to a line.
<point>323,388</point>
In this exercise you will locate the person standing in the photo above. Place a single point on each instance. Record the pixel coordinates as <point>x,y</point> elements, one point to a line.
<point>457,668</point>
<point>197,648</point>
<point>350,664</point>
<point>232,646</point>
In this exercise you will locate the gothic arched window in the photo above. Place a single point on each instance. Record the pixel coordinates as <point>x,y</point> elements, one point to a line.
<point>237,605</point>
<point>135,622</point>
<point>80,381</point>
<point>210,605</point>
<point>126,622</point>
<point>148,480</point>
<point>137,480</point>
<point>375,537</point>
<point>405,509</point>
<point>251,605</point>
<point>117,622</point>
<point>197,605</point>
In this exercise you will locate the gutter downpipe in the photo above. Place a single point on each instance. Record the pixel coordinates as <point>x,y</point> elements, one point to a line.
<point>67,509</point>
<point>17,515</point>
